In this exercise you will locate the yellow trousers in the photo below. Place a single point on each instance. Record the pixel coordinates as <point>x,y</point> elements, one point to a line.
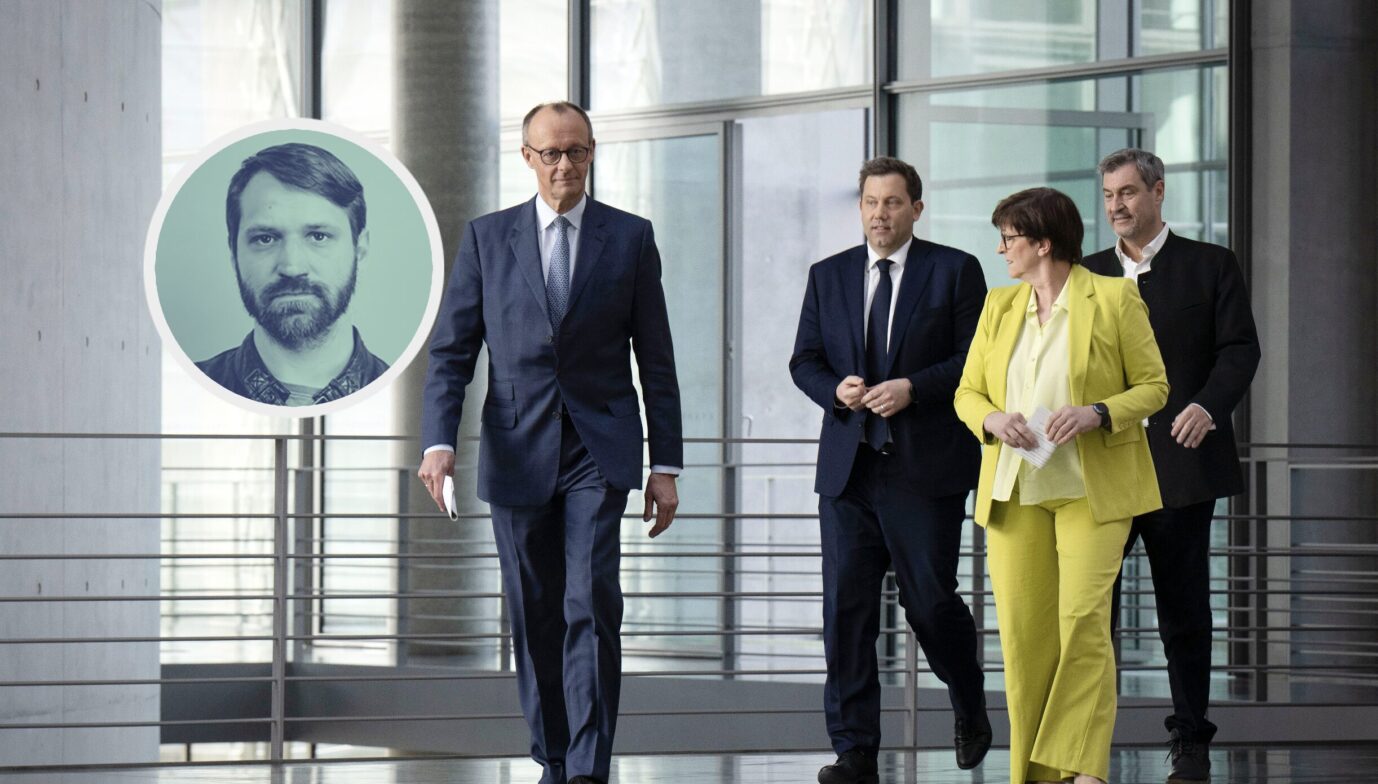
<point>1053,567</point>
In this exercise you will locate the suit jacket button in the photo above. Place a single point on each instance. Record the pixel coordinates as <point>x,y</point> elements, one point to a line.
<point>555,414</point>
<point>550,338</point>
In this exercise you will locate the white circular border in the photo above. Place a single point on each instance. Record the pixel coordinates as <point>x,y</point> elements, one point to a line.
<point>155,228</point>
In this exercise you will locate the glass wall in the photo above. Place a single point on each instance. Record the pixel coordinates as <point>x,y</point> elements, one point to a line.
<point>744,195</point>
<point>676,182</point>
<point>798,204</point>
<point>225,63</point>
<point>977,144</point>
<point>657,52</point>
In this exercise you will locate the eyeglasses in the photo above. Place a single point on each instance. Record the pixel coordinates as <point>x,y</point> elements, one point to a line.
<point>1006,238</point>
<point>552,156</point>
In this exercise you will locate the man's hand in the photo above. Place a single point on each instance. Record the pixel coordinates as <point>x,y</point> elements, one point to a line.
<point>849,392</point>
<point>435,466</point>
<point>1191,426</point>
<point>1012,429</point>
<point>888,397</point>
<point>1068,422</point>
<point>661,498</point>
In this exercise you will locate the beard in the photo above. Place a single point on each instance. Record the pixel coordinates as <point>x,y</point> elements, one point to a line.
<point>302,322</point>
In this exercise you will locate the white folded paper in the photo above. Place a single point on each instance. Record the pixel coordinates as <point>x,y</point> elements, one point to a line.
<point>448,491</point>
<point>1038,456</point>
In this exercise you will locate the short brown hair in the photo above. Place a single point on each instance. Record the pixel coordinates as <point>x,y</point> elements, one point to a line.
<point>883,165</point>
<point>1043,214</point>
<point>559,107</point>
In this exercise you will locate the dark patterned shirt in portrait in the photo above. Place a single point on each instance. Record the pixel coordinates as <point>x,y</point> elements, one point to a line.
<point>241,370</point>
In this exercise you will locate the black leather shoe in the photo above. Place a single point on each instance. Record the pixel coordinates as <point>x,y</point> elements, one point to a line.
<point>1191,761</point>
<point>584,780</point>
<point>852,767</point>
<point>972,740</point>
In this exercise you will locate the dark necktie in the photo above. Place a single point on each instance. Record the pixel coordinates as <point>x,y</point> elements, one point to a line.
<point>877,344</point>
<point>557,280</point>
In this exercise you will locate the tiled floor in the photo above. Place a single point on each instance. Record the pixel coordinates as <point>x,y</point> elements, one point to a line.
<point>1300,765</point>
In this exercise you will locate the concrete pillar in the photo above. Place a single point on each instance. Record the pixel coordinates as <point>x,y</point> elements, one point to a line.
<point>446,131</point>
<point>79,177</point>
<point>1315,139</point>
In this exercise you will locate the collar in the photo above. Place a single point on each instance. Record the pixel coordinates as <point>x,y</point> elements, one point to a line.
<point>1060,303</point>
<point>546,215</point>
<point>1150,250</point>
<point>898,257</point>
<point>257,383</point>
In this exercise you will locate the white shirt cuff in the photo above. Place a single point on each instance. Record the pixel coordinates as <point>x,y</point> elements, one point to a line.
<point>671,470</point>
<point>438,448</point>
<point>1204,411</point>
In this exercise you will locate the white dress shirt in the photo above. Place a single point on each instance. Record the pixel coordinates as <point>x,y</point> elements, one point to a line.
<point>545,239</point>
<point>545,234</point>
<point>873,281</point>
<point>1133,269</point>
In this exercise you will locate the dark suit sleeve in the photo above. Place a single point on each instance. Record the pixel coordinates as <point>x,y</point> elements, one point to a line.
<point>936,384</point>
<point>1236,343</point>
<point>809,364</point>
<point>455,345</point>
<point>655,359</point>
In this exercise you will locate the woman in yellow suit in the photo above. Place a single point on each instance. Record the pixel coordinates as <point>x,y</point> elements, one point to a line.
<point>1077,348</point>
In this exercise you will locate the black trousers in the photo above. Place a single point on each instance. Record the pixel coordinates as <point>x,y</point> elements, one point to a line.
<point>878,521</point>
<point>1177,541</point>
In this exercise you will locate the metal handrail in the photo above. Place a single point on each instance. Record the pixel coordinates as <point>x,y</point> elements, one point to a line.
<point>1248,594</point>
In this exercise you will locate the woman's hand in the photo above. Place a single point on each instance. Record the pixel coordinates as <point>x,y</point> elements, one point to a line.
<point>1068,422</point>
<point>1012,429</point>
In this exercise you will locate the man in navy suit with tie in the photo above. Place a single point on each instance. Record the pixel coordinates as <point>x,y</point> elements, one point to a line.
<point>562,289</point>
<point>882,339</point>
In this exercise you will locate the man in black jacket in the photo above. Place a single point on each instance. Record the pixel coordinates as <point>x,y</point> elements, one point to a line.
<point>1201,317</point>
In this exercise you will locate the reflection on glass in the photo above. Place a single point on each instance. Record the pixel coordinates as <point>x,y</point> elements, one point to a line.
<point>798,202</point>
<point>356,66</point>
<point>1167,26</point>
<point>975,147</point>
<point>650,52</point>
<point>949,37</point>
<point>225,63</point>
<point>676,183</point>
<point>956,37</point>
<point>533,54</point>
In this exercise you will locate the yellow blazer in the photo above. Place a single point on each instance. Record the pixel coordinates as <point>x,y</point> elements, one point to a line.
<point>1114,360</point>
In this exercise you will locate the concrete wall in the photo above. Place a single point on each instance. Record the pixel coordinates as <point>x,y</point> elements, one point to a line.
<point>1315,137</point>
<point>79,177</point>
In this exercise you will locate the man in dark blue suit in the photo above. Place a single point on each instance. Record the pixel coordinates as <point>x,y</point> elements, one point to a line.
<point>562,289</point>
<point>882,339</point>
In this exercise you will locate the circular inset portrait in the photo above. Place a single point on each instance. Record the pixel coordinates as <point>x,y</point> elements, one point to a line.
<point>294,268</point>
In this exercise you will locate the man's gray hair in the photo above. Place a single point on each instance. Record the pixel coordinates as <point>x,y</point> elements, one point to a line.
<point>1150,166</point>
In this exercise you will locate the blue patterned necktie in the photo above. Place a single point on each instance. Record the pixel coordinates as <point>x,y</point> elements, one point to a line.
<point>557,281</point>
<point>877,349</point>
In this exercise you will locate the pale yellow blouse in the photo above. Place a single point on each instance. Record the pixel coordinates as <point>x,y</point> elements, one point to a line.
<point>1040,375</point>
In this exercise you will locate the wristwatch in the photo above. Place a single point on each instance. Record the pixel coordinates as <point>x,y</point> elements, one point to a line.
<point>1104,411</point>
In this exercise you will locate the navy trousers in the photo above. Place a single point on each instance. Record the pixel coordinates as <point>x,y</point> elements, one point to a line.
<point>560,575</point>
<point>876,522</point>
<point>1177,541</point>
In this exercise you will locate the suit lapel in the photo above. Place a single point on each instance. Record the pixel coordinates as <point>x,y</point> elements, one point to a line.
<point>917,271</point>
<point>1082,304</point>
<point>854,297</point>
<point>591,239</point>
<point>1006,335</point>
<point>526,252</point>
